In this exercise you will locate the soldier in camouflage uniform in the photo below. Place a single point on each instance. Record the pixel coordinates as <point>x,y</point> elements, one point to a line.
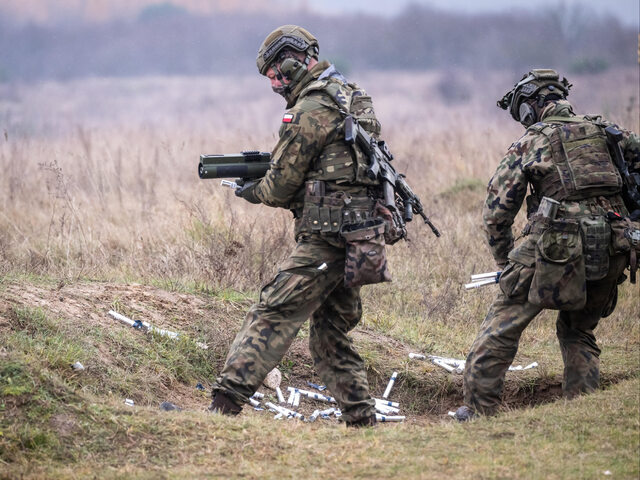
<point>319,177</point>
<point>569,260</point>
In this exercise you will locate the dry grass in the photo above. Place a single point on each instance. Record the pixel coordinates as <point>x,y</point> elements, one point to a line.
<point>99,183</point>
<point>99,175</point>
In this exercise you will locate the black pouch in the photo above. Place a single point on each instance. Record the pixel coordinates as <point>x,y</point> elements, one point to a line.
<point>596,237</point>
<point>559,281</point>
<point>365,256</point>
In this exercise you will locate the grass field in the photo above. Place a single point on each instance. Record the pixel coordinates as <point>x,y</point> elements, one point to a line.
<point>101,208</point>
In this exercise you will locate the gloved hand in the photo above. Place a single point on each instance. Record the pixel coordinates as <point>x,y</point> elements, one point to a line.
<point>246,190</point>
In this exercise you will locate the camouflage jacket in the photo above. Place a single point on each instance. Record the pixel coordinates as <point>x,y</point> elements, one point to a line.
<point>527,161</point>
<point>312,122</point>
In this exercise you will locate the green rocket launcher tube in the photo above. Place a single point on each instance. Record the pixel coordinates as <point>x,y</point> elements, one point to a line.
<point>245,165</point>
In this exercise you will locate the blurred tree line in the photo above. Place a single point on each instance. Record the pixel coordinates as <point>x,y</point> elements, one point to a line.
<point>166,39</point>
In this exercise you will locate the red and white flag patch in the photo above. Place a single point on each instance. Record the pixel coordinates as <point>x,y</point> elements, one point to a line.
<point>287,118</point>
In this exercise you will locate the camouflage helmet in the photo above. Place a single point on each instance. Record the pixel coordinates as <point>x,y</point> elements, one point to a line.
<point>287,36</point>
<point>538,83</point>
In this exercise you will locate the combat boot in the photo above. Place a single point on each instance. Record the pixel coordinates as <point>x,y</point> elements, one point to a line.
<point>464,414</point>
<point>223,404</point>
<point>369,421</point>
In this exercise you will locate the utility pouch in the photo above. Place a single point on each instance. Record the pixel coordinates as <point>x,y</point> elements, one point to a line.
<point>625,234</point>
<point>392,232</point>
<point>365,256</point>
<point>596,237</point>
<point>559,281</point>
<point>625,238</point>
<point>515,281</point>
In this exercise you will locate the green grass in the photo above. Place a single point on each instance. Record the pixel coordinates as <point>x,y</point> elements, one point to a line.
<point>59,423</point>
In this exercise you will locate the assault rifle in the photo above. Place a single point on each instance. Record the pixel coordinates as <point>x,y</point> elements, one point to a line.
<point>398,196</point>
<point>631,181</point>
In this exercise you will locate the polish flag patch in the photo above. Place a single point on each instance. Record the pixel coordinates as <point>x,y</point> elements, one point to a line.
<point>287,118</point>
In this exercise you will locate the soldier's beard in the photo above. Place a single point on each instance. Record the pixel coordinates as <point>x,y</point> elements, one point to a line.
<point>282,90</point>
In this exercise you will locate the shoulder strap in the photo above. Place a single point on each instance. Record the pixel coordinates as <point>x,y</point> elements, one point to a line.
<point>542,128</point>
<point>575,119</point>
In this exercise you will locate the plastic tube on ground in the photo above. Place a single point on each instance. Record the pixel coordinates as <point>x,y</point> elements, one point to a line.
<point>121,318</point>
<point>313,395</point>
<point>257,395</point>
<point>292,394</point>
<point>314,416</point>
<point>390,418</point>
<point>450,361</point>
<point>531,365</point>
<point>386,393</point>
<point>317,396</point>
<point>284,411</point>
<point>280,395</point>
<point>386,410</point>
<point>316,386</point>
<point>254,402</point>
<point>296,400</point>
<point>337,413</point>
<point>387,403</point>
<point>327,412</point>
<point>442,364</point>
<point>145,325</point>
<point>417,356</point>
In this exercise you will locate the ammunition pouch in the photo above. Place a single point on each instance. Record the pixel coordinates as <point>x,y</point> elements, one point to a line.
<point>559,281</point>
<point>596,238</point>
<point>328,213</point>
<point>365,256</point>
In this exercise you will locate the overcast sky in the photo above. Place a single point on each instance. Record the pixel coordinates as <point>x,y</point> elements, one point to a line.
<point>626,10</point>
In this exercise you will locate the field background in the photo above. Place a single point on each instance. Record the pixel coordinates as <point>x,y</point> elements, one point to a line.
<point>101,208</point>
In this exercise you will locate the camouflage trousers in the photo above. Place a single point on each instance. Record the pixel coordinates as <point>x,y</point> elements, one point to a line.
<point>496,345</point>
<point>299,291</point>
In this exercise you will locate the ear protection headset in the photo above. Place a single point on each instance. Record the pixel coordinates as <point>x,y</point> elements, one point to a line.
<point>294,69</point>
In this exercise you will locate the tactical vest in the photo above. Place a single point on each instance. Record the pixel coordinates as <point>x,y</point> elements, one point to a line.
<point>584,168</point>
<point>340,167</point>
<point>340,163</point>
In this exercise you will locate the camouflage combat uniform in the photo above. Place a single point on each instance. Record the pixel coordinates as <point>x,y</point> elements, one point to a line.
<point>530,161</point>
<point>310,283</point>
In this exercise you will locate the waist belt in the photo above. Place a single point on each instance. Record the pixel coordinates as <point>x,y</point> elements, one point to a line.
<point>327,213</point>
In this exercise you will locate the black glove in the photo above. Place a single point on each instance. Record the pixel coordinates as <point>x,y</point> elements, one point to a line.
<point>246,190</point>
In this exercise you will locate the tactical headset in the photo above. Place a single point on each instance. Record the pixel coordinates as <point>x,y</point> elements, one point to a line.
<point>544,84</point>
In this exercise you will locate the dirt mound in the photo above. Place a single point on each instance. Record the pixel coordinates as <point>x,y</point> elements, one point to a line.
<point>425,391</point>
